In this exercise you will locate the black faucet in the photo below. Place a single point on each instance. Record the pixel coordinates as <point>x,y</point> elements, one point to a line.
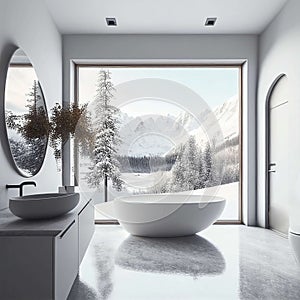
<point>20,186</point>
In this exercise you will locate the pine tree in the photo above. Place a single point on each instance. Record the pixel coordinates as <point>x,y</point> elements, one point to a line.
<point>208,172</point>
<point>35,130</point>
<point>190,163</point>
<point>201,171</point>
<point>35,100</point>
<point>105,164</point>
<point>177,183</point>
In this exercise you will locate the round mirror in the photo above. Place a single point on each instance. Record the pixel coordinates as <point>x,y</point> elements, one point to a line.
<point>26,116</point>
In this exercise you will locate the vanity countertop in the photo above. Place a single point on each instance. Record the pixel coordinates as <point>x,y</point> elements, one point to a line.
<point>10,225</point>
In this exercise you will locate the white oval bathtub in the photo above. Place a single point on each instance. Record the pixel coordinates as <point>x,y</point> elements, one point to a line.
<point>164,215</point>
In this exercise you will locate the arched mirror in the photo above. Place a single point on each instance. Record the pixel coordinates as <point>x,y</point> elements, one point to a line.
<point>25,115</point>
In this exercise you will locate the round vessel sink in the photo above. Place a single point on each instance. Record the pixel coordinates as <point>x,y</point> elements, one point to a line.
<point>43,206</point>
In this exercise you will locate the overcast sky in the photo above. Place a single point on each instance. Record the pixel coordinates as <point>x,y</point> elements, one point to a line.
<point>19,83</point>
<point>214,85</point>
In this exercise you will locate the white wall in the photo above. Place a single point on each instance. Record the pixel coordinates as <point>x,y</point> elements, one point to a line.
<point>190,48</point>
<point>279,52</point>
<point>27,24</point>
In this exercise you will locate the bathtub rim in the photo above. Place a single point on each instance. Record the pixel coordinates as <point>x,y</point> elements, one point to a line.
<point>186,200</point>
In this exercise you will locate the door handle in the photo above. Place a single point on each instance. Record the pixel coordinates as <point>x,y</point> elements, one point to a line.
<point>271,166</point>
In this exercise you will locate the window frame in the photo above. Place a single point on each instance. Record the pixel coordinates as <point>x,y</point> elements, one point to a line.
<point>238,65</point>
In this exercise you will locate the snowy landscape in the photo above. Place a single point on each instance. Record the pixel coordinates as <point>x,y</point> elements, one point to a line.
<point>27,150</point>
<point>152,145</point>
<point>150,163</point>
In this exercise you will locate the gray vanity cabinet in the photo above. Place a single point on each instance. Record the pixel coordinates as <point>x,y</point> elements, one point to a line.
<point>26,267</point>
<point>66,260</point>
<point>86,229</point>
<point>39,260</point>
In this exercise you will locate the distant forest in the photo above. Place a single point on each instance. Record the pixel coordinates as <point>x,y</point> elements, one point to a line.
<point>146,164</point>
<point>191,166</point>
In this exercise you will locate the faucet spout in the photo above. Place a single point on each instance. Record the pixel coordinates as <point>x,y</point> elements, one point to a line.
<point>20,186</point>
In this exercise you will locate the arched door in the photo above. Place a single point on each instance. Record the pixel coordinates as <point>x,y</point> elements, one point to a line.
<point>278,181</point>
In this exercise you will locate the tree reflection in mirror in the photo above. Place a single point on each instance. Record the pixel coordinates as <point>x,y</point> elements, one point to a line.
<point>26,116</point>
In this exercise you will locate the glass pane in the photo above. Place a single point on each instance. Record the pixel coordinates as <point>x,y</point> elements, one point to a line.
<point>178,129</point>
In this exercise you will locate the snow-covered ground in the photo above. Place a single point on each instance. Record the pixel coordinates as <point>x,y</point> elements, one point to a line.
<point>137,181</point>
<point>228,191</point>
<point>134,182</point>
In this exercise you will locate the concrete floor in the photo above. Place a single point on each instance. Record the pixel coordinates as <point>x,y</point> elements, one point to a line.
<point>223,262</point>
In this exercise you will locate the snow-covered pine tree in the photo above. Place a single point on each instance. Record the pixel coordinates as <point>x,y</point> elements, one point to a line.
<point>177,183</point>
<point>105,164</point>
<point>216,166</point>
<point>35,100</point>
<point>201,171</point>
<point>23,156</point>
<point>190,163</point>
<point>208,165</point>
<point>35,130</point>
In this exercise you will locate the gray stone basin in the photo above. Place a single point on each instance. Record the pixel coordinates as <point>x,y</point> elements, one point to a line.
<point>43,206</point>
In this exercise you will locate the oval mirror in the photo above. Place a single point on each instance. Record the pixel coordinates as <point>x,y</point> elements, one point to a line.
<point>26,116</point>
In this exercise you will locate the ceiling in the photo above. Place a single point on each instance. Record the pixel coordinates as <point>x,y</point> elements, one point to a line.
<point>163,16</point>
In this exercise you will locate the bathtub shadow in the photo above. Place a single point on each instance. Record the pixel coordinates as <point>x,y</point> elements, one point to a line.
<point>192,255</point>
<point>81,290</point>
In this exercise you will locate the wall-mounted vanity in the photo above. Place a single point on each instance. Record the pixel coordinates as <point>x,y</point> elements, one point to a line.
<point>41,259</point>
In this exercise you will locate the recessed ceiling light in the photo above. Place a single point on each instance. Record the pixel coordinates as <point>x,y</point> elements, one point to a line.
<point>111,21</point>
<point>210,21</point>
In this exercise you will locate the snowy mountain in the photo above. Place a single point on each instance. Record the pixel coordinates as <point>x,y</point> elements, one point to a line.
<point>157,134</point>
<point>187,121</point>
<point>228,117</point>
<point>147,135</point>
<point>225,118</point>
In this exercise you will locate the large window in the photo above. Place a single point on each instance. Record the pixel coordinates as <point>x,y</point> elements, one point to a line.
<point>179,130</point>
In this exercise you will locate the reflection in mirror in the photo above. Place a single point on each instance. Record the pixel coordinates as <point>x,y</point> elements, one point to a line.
<point>26,116</point>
